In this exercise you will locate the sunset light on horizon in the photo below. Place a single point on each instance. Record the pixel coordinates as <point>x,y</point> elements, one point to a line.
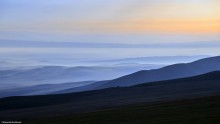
<point>169,16</point>
<point>112,24</point>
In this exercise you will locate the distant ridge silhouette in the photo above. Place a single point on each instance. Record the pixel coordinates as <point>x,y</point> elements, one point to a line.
<point>166,73</point>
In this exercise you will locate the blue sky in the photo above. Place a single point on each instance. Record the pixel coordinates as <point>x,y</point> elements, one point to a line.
<point>109,27</point>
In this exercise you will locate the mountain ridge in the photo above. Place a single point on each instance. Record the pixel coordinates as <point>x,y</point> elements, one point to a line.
<point>177,89</point>
<point>168,72</point>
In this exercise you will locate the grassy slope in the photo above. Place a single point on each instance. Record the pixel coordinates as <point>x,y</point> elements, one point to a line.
<point>139,104</point>
<point>198,86</point>
<point>194,111</point>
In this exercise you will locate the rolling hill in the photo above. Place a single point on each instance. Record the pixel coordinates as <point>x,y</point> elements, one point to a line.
<point>56,73</point>
<point>41,89</point>
<point>166,73</point>
<point>62,104</point>
<point>17,78</point>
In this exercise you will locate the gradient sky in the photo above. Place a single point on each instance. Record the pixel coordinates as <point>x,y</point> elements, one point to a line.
<point>111,21</point>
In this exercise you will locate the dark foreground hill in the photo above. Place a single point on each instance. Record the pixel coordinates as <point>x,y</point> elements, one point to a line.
<point>205,110</point>
<point>46,106</point>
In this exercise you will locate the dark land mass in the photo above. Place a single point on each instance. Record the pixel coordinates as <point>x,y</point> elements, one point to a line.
<point>204,110</point>
<point>193,100</point>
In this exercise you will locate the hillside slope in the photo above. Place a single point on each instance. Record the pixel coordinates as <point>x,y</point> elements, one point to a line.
<point>166,73</point>
<point>54,105</point>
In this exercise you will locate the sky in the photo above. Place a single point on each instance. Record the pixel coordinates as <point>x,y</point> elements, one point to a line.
<point>117,28</point>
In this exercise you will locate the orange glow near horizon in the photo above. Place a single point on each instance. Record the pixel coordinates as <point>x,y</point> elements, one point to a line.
<point>176,25</point>
<point>190,16</point>
<point>192,26</point>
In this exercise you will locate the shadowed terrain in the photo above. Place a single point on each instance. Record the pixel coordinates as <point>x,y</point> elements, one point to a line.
<point>47,74</point>
<point>205,110</point>
<point>166,73</point>
<point>175,71</point>
<point>64,105</point>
